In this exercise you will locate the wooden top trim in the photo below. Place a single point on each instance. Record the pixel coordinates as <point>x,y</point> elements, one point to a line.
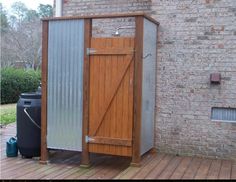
<point>104,16</point>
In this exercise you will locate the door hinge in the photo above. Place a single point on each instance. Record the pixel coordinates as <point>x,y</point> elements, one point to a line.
<point>88,139</point>
<point>90,51</point>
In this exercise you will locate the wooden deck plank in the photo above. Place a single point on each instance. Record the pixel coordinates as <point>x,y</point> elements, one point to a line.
<point>95,170</point>
<point>23,171</point>
<point>180,170</point>
<point>76,174</point>
<point>192,169</point>
<point>50,168</point>
<point>225,170</point>
<point>65,165</point>
<point>56,173</point>
<point>203,169</point>
<point>214,170</point>
<point>42,174</point>
<point>15,165</point>
<point>100,173</point>
<point>72,164</point>
<point>116,171</point>
<point>131,171</point>
<point>170,168</point>
<point>233,172</point>
<point>76,169</point>
<point>83,171</point>
<point>157,170</point>
<point>109,172</point>
<point>37,173</point>
<point>147,168</point>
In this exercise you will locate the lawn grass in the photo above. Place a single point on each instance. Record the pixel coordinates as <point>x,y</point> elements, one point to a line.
<point>7,114</point>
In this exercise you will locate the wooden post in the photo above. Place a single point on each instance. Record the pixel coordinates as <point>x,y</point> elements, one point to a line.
<point>44,152</point>
<point>85,161</point>
<point>138,65</point>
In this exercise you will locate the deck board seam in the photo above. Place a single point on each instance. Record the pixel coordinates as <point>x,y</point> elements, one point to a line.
<point>187,168</point>
<point>172,157</point>
<point>198,168</point>
<point>176,167</point>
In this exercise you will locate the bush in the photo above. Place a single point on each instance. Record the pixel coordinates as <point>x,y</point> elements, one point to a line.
<point>16,81</point>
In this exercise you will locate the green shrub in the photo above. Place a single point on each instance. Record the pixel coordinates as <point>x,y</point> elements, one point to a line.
<point>16,81</point>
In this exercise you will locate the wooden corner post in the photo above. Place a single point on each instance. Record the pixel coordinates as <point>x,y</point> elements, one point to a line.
<point>85,161</point>
<point>138,66</point>
<point>44,151</point>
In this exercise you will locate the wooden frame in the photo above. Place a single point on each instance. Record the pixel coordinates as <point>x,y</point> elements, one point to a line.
<point>44,152</point>
<point>87,38</point>
<point>139,20</point>
<point>137,108</point>
<point>124,15</point>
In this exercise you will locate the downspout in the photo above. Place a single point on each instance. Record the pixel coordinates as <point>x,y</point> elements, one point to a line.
<point>58,8</point>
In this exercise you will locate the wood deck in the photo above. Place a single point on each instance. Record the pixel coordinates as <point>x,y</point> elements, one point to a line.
<point>65,165</point>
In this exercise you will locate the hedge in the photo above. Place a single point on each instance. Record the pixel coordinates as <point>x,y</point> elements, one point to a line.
<point>16,81</point>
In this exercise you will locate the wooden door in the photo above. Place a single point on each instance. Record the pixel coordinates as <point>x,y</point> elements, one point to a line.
<point>111,96</point>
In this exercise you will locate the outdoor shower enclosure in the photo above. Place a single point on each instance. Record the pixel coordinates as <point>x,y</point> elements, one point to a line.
<point>98,93</point>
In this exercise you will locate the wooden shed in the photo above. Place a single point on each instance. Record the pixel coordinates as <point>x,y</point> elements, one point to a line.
<point>98,93</point>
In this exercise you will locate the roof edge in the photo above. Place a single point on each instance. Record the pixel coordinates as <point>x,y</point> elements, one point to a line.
<point>123,15</point>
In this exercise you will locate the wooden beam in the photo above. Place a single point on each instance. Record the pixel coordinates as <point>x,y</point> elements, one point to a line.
<point>85,161</point>
<point>138,66</point>
<point>111,141</point>
<point>44,152</point>
<point>121,15</point>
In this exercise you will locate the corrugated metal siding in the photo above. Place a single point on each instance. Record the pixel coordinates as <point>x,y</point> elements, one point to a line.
<point>65,78</point>
<point>148,87</point>
<point>223,114</point>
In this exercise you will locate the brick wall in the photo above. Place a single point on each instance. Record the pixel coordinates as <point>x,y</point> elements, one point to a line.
<point>196,38</point>
<point>107,27</point>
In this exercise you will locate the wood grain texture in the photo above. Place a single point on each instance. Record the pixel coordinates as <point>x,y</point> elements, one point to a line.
<point>203,169</point>
<point>121,15</point>
<point>44,152</point>
<point>192,169</point>
<point>131,172</point>
<point>111,141</point>
<point>214,169</point>
<point>170,168</point>
<point>65,165</point>
<point>139,21</point>
<point>159,168</point>
<point>87,37</point>
<point>149,167</point>
<point>182,167</point>
<point>110,90</point>
<point>225,171</point>
<point>233,172</point>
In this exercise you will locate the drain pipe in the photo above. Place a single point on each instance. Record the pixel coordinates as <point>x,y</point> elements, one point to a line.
<point>58,12</point>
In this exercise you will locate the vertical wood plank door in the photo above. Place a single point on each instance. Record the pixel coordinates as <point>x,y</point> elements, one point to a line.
<point>111,96</point>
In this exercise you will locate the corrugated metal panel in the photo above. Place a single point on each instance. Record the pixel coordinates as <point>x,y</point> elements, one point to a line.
<point>223,114</point>
<point>65,78</point>
<point>148,87</point>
